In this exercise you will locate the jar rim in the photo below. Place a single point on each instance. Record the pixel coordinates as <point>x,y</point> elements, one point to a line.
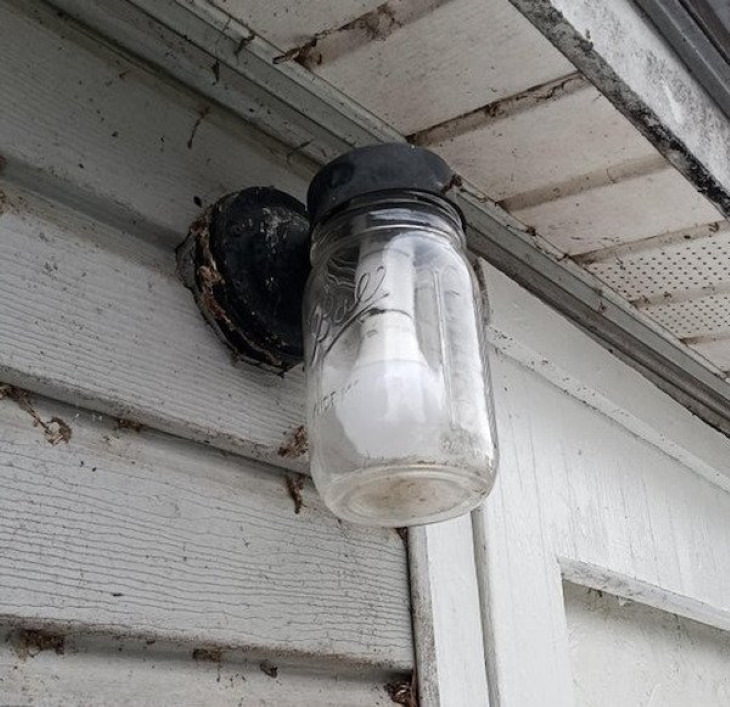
<point>330,231</point>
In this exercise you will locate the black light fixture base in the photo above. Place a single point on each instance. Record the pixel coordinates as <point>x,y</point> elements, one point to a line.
<point>246,260</point>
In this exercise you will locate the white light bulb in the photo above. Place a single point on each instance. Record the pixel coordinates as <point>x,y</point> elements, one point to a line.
<point>392,409</point>
<point>392,405</point>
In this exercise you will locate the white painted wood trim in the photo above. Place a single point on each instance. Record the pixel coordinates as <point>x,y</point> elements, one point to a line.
<point>633,589</point>
<point>521,610</point>
<point>451,667</point>
<point>537,337</point>
<point>603,481</point>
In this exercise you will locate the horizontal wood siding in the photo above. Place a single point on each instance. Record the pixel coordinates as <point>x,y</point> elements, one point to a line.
<point>62,669</point>
<point>92,314</point>
<point>165,547</point>
<point>141,533</point>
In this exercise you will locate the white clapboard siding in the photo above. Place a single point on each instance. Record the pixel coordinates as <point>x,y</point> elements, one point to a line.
<point>93,315</point>
<point>611,638</point>
<point>143,534</point>
<point>603,480</point>
<point>170,568</point>
<point>117,672</point>
<point>101,130</point>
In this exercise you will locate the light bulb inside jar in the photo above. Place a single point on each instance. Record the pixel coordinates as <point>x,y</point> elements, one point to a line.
<point>392,405</point>
<point>399,411</point>
<point>393,408</point>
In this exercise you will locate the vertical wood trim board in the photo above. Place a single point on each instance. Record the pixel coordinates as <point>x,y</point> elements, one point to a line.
<point>448,635</point>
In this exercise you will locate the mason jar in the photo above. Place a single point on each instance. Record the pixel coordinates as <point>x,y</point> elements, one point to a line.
<point>399,403</point>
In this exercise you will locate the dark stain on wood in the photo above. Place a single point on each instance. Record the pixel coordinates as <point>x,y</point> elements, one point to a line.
<point>375,25</point>
<point>454,183</point>
<point>29,642</point>
<point>201,115</point>
<point>579,50</point>
<point>268,668</point>
<point>125,424</point>
<point>208,654</point>
<point>243,42</point>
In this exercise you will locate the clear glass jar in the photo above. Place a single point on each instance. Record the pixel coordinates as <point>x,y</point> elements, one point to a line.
<point>399,403</point>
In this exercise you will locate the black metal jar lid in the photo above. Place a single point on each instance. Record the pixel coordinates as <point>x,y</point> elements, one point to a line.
<point>377,168</point>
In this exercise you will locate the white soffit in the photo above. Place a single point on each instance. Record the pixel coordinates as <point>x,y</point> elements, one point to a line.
<point>476,82</point>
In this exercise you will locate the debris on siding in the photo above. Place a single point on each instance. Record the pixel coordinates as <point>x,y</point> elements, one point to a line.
<point>454,183</point>
<point>210,654</point>
<point>403,692</point>
<point>55,430</point>
<point>268,668</point>
<point>296,445</point>
<point>297,149</point>
<point>30,642</point>
<point>294,485</point>
<point>201,116</point>
<point>298,54</point>
<point>243,42</point>
<point>125,424</point>
<point>376,24</point>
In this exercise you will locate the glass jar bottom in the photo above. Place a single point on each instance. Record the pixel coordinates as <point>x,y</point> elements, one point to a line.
<point>395,497</point>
